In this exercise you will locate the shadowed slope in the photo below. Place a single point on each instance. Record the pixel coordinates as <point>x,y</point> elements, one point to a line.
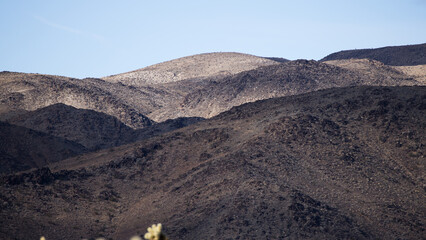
<point>22,148</point>
<point>202,85</point>
<point>91,129</point>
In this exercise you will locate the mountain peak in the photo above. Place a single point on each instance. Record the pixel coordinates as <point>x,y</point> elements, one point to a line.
<point>198,66</point>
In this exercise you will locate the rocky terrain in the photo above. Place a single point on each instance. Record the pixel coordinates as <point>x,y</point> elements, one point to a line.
<point>418,72</point>
<point>196,67</point>
<point>330,149</point>
<point>130,99</point>
<point>290,78</point>
<point>408,55</point>
<point>344,163</point>
<point>21,91</point>
<point>375,70</point>
<point>203,86</point>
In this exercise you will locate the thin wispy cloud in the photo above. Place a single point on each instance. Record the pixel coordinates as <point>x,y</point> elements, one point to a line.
<point>68,29</point>
<point>58,26</point>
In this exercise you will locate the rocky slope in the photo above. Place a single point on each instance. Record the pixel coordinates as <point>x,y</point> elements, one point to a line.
<point>408,55</point>
<point>130,98</point>
<point>21,91</point>
<point>344,163</point>
<point>201,66</point>
<point>22,148</point>
<point>290,78</point>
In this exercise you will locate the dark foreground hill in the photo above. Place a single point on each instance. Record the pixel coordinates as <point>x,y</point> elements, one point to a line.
<point>408,55</point>
<point>342,163</point>
<point>22,148</point>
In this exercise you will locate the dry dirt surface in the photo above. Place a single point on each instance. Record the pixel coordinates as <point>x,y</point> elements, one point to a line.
<point>341,163</point>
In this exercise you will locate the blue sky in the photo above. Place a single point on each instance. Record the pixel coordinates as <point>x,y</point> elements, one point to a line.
<point>96,38</point>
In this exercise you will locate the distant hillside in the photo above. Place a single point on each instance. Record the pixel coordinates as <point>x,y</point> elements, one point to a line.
<point>417,72</point>
<point>290,78</point>
<point>408,55</point>
<point>92,129</point>
<point>208,65</point>
<point>195,86</point>
<point>22,91</point>
<point>22,148</point>
<point>341,163</point>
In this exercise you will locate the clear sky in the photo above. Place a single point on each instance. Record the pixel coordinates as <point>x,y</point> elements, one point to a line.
<point>96,38</point>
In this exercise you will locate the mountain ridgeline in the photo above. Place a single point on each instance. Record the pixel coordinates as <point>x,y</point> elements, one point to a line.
<point>409,55</point>
<point>219,146</point>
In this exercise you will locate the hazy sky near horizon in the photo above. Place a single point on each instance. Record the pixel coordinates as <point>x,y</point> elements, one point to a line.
<point>96,38</point>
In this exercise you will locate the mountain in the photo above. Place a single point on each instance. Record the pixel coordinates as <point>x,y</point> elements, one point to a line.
<point>278,59</point>
<point>377,70</point>
<point>202,85</point>
<point>22,148</point>
<point>128,98</point>
<point>408,55</point>
<point>340,163</point>
<point>290,78</point>
<point>196,67</point>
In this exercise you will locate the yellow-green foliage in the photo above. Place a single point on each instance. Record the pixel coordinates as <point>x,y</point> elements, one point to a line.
<point>154,233</point>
